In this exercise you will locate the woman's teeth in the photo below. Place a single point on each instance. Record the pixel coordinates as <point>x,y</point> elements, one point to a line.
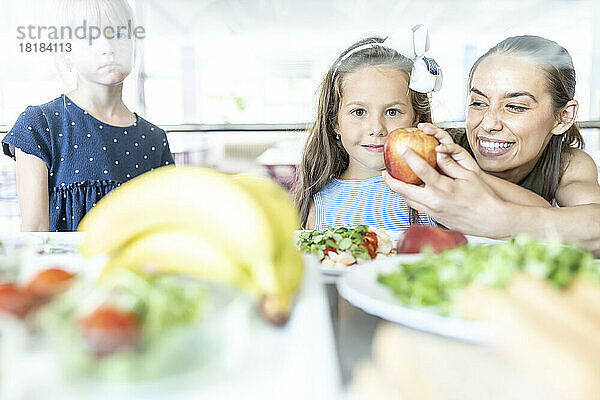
<point>495,145</point>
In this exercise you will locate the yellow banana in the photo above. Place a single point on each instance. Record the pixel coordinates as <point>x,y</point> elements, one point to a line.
<point>179,251</point>
<point>185,197</point>
<point>203,223</point>
<point>277,205</point>
<point>283,275</point>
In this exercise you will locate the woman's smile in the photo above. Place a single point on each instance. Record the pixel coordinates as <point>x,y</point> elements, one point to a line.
<point>489,147</point>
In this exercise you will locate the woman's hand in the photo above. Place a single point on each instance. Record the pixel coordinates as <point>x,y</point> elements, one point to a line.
<point>460,199</point>
<point>448,151</point>
<point>447,147</point>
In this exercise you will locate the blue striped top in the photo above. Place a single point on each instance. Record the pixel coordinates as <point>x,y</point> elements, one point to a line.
<point>362,201</point>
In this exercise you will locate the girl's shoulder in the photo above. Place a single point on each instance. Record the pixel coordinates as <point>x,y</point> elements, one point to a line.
<point>146,125</point>
<point>34,113</point>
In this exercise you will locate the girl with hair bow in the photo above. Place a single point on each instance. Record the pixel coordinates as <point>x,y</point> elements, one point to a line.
<point>375,86</point>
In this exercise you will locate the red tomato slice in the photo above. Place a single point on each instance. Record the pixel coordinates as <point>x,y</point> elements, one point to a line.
<point>109,329</point>
<point>50,282</point>
<point>15,301</point>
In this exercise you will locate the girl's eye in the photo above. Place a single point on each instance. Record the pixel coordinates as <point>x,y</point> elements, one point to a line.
<point>393,112</point>
<point>514,107</point>
<point>359,112</point>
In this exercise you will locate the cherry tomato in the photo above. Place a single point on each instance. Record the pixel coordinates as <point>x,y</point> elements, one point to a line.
<point>109,329</point>
<point>15,301</point>
<point>50,282</point>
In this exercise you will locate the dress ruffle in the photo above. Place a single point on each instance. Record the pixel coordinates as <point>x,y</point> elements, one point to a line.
<point>69,203</point>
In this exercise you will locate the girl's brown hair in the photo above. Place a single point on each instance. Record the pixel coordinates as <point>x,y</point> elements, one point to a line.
<point>560,80</point>
<point>324,157</point>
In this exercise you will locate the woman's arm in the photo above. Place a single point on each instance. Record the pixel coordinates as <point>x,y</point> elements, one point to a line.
<point>462,200</point>
<point>578,196</point>
<point>32,191</point>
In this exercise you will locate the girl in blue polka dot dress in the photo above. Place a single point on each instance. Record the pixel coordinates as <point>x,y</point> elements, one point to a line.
<point>77,148</point>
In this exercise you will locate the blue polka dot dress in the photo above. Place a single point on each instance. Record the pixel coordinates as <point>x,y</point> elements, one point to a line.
<point>86,158</point>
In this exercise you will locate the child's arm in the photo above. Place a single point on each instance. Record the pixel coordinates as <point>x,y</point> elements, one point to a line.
<point>32,190</point>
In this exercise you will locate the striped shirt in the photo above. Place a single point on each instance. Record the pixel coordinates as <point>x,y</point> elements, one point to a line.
<point>362,201</point>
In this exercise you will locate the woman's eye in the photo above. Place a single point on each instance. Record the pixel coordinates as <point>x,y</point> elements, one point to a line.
<point>514,107</point>
<point>476,103</point>
<point>393,112</point>
<point>359,112</point>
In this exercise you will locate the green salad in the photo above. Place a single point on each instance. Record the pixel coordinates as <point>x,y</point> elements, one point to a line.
<point>160,323</point>
<point>434,282</point>
<point>344,238</point>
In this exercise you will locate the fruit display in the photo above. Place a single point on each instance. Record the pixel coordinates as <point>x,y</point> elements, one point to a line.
<point>420,142</point>
<point>233,230</point>
<point>345,246</point>
<point>417,237</point>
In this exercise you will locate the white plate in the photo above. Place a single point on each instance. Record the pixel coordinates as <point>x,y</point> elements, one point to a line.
<point>339,271</point>
<point>334,272</point>
<point>360,287</point>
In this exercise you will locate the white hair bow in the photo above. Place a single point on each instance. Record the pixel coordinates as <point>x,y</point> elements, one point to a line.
<point>426,75</point>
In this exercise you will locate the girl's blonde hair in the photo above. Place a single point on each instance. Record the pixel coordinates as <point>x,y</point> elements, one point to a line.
<point>324,157</point>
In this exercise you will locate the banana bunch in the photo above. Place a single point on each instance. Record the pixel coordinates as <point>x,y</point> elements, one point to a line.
<point>236,231</point>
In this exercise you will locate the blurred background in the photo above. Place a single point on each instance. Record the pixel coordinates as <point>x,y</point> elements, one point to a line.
<point>234,81</point>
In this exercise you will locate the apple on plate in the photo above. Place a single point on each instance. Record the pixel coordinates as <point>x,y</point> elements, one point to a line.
<point>420,142</point>
<point>417,237</point>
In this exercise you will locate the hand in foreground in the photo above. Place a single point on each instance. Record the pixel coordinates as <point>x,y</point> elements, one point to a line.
<point>447,147</point>
<point>460,199</point>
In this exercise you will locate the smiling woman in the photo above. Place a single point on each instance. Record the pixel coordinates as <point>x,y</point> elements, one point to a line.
<point>531,81</point>
<point>520,130</point>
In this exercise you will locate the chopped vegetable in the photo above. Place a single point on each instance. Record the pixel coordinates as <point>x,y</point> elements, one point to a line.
<point>108,329</point>
<point>435,281</point>
<point>15,301</point>
<point>49,282</point>
<point>345,238</point>
<point>139,327</point>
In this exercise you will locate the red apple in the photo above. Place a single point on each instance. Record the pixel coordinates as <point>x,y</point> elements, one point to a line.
<point>417,237</point>
<point>420,142</point>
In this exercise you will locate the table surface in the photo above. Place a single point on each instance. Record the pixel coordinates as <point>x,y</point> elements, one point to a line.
<point>353,332</point>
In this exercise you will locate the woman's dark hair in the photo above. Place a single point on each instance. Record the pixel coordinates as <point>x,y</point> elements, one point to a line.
<point>560,80</point>
<point>324,157</point>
